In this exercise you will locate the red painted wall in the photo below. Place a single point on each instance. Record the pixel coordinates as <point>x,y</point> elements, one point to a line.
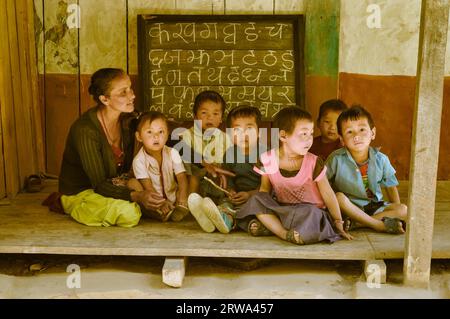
<point>390,99</point>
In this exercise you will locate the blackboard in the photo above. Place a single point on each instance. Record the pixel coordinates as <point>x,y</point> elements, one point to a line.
<point>256,60</point>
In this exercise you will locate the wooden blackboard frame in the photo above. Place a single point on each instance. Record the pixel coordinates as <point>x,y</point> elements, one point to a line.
<point>297,21</point>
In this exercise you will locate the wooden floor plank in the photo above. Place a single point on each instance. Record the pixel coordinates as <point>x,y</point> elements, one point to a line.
<point>39,231</point>
<point>392,246</point>
<point>27,227</point>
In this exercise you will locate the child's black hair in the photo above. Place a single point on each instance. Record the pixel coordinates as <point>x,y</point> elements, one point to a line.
<point>208,96</point>
<point>354,113</point>
<point>244,111</point>
<point>331,105</point>
<point>150,116</point>
<point>287,118</point>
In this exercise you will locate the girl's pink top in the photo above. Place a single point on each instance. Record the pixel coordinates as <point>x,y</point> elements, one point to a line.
<point>300,188</point>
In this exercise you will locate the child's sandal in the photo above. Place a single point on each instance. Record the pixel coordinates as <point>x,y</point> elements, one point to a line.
<point>165,217</point>
<point>259,230</point>
<point>393,225</point>
<point>179,213</point>
<point>290,237</point>
<point>33,183</point>
<point>348,224</point>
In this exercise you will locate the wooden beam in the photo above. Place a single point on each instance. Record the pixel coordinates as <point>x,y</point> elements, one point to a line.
<point>7,105</point>
<point>425,146</point>
<point>33,72</point>
<point>2,106</point>
<point>2,163</point>
<point>19,92</point>
<point>16,81</point>
<point>173,271</point>
<point>23,109</point>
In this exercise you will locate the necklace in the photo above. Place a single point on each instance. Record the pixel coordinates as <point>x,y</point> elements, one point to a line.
<point>117,150</point>
<point>105,129</point>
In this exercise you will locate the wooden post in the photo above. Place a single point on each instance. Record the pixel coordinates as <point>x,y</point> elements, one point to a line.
<point>24,122</point>
<point>34,76</point>
<point>7,105</point>
<point>425,146</point>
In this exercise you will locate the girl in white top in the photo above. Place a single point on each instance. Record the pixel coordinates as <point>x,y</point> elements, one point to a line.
<point>159,168</point>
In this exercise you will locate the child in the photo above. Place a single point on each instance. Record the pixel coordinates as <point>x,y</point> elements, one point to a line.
<point>204,145</point>
<point>297,179</point>
<point>244,122</point>
<point>328,141</point>
<point>357,173</point>
<point>159,168</point>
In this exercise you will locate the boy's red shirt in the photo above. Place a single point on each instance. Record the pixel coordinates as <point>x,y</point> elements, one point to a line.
<point>322,149</point>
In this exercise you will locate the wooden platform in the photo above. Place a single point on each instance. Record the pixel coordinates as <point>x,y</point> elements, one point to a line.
<point>29,228</point>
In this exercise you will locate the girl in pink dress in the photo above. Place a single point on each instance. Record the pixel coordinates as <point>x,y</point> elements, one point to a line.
<point>295,201</point>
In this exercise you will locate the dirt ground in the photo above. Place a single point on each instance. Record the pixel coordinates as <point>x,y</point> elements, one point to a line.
<point>45,276</point>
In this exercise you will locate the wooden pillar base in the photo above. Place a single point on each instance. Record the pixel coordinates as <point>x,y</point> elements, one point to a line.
<point>173,271</point>
<point>375,271</point>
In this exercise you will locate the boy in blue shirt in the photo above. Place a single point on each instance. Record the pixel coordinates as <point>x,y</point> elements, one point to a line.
<point>358,171</point>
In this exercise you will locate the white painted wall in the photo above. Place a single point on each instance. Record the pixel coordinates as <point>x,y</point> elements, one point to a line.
<point>389,50</point>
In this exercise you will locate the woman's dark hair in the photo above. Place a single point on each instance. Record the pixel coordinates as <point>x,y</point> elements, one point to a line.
<point>101,82</point>
<point>150,116</point>
<point>287,118</point>
<point>244,111</point>
<point>354,113</point>
<point>331,105</point>
<point>208,96</point>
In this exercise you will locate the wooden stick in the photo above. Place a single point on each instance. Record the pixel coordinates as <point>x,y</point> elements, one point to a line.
<point>217,186</point>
